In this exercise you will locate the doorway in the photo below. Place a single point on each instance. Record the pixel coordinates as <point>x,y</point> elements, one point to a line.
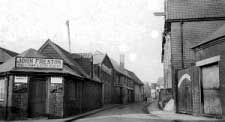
<point>37,96</point>
<point>210,90</point>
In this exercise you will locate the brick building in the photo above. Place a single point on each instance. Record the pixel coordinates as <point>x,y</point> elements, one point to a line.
<point>187,23</point>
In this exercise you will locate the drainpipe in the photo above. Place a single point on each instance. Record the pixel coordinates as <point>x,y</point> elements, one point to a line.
<point>182,44</point>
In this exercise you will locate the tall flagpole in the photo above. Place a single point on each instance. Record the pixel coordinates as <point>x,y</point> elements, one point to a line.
<point>68,30</point>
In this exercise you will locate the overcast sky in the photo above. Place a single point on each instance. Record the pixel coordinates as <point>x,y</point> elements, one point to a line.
<point>110,26</point>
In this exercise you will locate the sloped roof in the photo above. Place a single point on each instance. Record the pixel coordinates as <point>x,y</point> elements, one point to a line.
<point>217,34</point>
<point>98,58</point>
<point>79,55</point>
<point>186,9</point>
<point>135,77</point>
<point>6,54</point>
<point>32,53</point>
<point>67,58</point>
<point>117,67</point>
<point>10,64</point>
<point>96,78</point>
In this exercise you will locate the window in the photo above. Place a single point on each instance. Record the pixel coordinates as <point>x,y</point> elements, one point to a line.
<point>2,89</point>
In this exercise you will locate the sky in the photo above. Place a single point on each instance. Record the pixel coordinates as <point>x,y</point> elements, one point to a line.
<point>111,26</point>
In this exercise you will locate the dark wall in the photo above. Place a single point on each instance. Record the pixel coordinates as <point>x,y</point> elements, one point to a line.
<point>91,96</point>
<point>72,97</point>
<point>19,100</point>
<point>107,78</point>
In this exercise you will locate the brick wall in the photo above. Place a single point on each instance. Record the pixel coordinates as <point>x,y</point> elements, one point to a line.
<point>193,33</point>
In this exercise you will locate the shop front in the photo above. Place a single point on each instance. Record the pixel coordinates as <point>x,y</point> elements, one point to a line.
<point>33,86</point>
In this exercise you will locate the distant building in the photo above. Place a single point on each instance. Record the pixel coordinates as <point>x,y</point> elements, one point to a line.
<point>138,87</point>
<point>161,82</point>
<point>147,90</point>
<point>6,55</point>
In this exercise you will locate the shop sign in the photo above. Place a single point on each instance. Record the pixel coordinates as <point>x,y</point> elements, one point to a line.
<point>20,79</point>
<point>56,80</point>
<point>25,62</point>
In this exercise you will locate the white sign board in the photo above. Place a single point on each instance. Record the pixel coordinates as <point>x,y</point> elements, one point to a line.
<point>56,79</point>
<point>21,79</point>
<point>23,62</point>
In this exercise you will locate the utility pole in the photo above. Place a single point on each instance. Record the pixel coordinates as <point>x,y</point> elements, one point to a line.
<point>68,30</point>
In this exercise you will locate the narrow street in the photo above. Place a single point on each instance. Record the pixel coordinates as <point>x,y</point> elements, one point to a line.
<point>136,113</point>
<point>127,109</point>
<point>131,112</point>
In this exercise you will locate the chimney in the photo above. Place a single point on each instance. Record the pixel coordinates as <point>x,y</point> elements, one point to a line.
<point>122,58</point>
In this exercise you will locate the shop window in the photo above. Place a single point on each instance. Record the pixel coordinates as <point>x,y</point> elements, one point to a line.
<point>2,89</point>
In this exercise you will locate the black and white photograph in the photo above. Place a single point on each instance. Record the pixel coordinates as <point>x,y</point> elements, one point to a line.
<point>112,60</point>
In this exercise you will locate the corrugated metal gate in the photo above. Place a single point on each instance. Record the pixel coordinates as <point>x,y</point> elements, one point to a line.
<point>184,88</point>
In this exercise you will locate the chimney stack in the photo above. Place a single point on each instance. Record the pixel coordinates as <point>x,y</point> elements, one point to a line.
<point>122,60</point>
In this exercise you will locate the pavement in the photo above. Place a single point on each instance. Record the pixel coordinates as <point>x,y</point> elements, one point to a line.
<point>154,110</point>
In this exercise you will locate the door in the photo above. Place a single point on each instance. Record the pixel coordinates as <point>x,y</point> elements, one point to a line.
<point>37,96</point>
<point>184,88</point>
<point>210,84</point>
